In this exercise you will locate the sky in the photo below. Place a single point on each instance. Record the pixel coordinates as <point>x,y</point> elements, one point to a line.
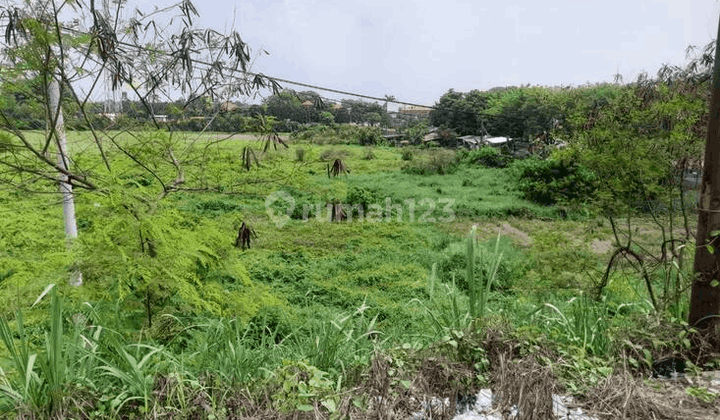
<point>416,50</point>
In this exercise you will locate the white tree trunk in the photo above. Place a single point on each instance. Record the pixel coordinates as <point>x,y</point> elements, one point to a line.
<point>66,189</point>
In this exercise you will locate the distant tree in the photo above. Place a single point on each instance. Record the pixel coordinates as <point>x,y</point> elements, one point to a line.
<point>359,110</point>
<point>373,118</point>
<point>285,105</point>
<point>461,112</point>
<point>327,118</point>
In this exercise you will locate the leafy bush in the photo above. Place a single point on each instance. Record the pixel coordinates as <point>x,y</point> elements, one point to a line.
<point>369,154</point>
<point>407,154</point>
<point>333,154</point>
<point>362,196</point>
<point>316,133</point>
<point>300,155</point>
<point>438,161</point>
<point>487,156</point>
<point>369,136</point>
<point>415,133</point>
<point>550,182</point>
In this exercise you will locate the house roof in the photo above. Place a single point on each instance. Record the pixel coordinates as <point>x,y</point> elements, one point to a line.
<point>497,140</point>
<point>228,106</point>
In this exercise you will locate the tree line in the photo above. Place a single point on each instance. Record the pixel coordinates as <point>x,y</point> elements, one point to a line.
<point>291,109</point>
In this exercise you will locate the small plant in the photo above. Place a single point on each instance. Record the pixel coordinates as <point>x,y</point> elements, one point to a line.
<point>480,290</point>
<point>369,154</point>
<point>337,168</point>
<point>245,235</point>
<point>248,157</point>
<point>702,393</point>
<point>300,155</point>
<point>407,154</point>
<point>487,156</point>
<point>265,127</point>
<point>369,136</point>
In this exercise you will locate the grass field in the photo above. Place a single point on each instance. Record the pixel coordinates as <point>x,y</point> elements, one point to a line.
<point>316,316</point>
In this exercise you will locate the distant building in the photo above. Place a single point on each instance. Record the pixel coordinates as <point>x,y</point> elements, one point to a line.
<point>228,106</point>
<point>422,111</point>
<point>112,116</point>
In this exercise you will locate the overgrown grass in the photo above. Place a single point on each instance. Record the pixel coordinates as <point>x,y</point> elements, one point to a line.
<point>302,316</point>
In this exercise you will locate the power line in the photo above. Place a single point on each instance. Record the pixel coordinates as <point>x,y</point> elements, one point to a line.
<point>295,83</point>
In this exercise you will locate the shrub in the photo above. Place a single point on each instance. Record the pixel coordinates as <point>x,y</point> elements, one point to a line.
<point>448,138</point>
<point>438,161</point>
<point>369,154</point>
<point>317,133</point>
<point>487,156</point>
<point>550,182</point>
<point>407,154</point>
<point>369,136</point>
<point>300,155</point>
<point>362,196</point>
<point>333,154</point>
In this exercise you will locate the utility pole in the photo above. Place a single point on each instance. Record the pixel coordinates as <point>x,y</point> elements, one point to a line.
<point>705,296</point>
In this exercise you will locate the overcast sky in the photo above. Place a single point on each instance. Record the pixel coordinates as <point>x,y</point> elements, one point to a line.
<point>416,50</point>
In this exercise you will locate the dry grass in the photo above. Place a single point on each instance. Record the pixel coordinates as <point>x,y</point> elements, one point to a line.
<point>524,383</point>
<point>622,396</point>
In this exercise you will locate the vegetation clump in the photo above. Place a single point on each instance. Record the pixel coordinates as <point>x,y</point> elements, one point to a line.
<point>550,182</point>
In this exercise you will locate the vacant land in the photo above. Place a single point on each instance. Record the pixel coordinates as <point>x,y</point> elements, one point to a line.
<point>280,282</point>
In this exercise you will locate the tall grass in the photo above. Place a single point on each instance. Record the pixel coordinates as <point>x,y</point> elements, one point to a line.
<point>489,264</point>
<point>41,379</point>
<point>580,322</point>
<point>481,269</point>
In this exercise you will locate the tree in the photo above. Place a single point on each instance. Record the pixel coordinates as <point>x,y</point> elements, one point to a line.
<point>388,98</point>
<point>327,118</point>
<point>461,112</point>
<point>705,295</point>
<point>97,49</point>
<point>60,55</point>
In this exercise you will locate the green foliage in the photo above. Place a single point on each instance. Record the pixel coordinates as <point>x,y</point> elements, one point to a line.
<point>580,322</point>
<point>327,118</point>
<point>407,154</point>
<point>439,161</point>
<point>369,136</point>
<point>300,154</point>
<point>461,112</point>
<point>297,384</point>
<point>497,260</point>
<point>562,262</point>
<point>524,113</point>
<point>415,133</point>
<point>369,154</point>
<point>479,288</point>
<point>362,196</point>
<point>551,182</point>
<point>488,156</point>
<point>301,315</point>
<point>135,253</point>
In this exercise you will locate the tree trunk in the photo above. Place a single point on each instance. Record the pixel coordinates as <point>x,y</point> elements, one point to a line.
<point>66,189</point>
<point>705,297</point>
